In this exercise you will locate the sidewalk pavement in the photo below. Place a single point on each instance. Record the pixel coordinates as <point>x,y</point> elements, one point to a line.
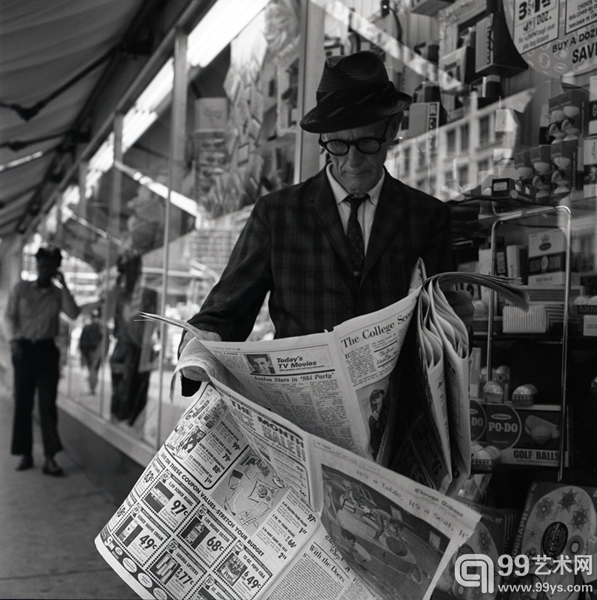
<point>48,526</point>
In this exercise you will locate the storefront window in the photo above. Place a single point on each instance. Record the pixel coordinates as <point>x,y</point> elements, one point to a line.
<point>238,143</point>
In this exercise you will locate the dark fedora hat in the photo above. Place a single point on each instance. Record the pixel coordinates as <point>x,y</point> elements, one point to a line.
<point>354,90</point>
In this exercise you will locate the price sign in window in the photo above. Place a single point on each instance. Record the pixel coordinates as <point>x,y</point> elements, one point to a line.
<point>535,23</point>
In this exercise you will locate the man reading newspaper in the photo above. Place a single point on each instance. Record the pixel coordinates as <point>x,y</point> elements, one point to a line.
<point>342,243</point>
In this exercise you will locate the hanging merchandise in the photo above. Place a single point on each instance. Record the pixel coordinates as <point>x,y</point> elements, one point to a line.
<point>555,37</point>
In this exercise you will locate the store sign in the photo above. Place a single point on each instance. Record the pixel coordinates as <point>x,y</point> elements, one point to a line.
<point>555,36</point>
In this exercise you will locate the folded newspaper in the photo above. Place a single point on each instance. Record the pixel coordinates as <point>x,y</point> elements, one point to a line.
<point>268,487</point>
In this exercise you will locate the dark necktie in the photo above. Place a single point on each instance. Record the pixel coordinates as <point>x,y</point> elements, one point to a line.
<point>354,233</point>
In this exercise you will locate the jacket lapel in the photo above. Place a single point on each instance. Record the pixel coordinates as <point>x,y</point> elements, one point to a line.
<point>390,213</point>
<point>326,212</point>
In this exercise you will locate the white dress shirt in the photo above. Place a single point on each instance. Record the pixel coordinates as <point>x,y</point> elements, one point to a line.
<point>366,210</point>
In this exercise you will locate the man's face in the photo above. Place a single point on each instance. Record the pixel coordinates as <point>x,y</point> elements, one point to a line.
<point>355,171</point>
<point>46,269</point>
<point>261,365</point>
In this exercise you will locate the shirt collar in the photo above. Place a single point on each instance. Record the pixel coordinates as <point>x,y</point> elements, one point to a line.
<point>340,193</point>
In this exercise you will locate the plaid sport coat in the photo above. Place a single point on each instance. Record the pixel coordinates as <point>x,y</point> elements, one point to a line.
<point>293,246</point>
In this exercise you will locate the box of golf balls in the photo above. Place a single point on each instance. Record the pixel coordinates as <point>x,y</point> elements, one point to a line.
<point>520,435</point>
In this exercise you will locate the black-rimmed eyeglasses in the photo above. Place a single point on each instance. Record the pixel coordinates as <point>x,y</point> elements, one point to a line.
<point>366,145</point>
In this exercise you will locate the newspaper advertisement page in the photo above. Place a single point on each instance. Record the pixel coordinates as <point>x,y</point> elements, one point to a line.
<point>284,446</point>
<point>208,518</point>
<point>397,535</point>
<point>332,384</point>
<point>319,570</point>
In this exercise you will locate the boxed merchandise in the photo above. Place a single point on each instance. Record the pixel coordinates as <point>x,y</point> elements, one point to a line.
<point>517,257</point>
<point>566,112</point>
<point>540,157</point>
<point>573,104</point>
<point>525,435</point>
<point>564,154</point>
<point>510,189</point>
<point>568,172</point>
<point>495,53</point>
<point>546,294</point>
<point>539,318</point>
<point>589,326</point>
<point>558,524</point>
<point>523,164</point>
<point>459,65</point>
<point>478,420</point>
<point>475,373</point>
<point>423,117</point>
<point>547,257</point>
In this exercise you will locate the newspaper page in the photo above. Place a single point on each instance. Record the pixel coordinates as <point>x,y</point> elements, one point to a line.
<point>394,534</point>
<point>209,518</point>
<point>423,453</point>
<point>455,347</point>
<point>407,533</point>
<point>433,401</point>
<point>333,385</point>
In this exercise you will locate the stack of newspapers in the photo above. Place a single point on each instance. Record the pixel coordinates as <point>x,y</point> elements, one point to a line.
<point>275,481</point>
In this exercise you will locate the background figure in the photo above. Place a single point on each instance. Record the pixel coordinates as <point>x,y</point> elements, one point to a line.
<point>130,374</point>
<point>32,315</point>
<point>90,345</point>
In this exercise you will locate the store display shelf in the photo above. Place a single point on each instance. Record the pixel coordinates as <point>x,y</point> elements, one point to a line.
<point>546,338</point>
<point>505,468</point>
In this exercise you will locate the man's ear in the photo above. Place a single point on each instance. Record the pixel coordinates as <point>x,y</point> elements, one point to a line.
<point>394,126</point>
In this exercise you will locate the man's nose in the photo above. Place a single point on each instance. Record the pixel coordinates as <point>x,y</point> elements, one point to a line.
<point>354,154</point>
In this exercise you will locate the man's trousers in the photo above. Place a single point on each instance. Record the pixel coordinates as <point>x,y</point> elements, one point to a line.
<point>36,368</point>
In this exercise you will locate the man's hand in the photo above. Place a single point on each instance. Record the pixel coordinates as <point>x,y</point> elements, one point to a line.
<point>60,278</point>
<point>188,347</point>
<point>462,304</point>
